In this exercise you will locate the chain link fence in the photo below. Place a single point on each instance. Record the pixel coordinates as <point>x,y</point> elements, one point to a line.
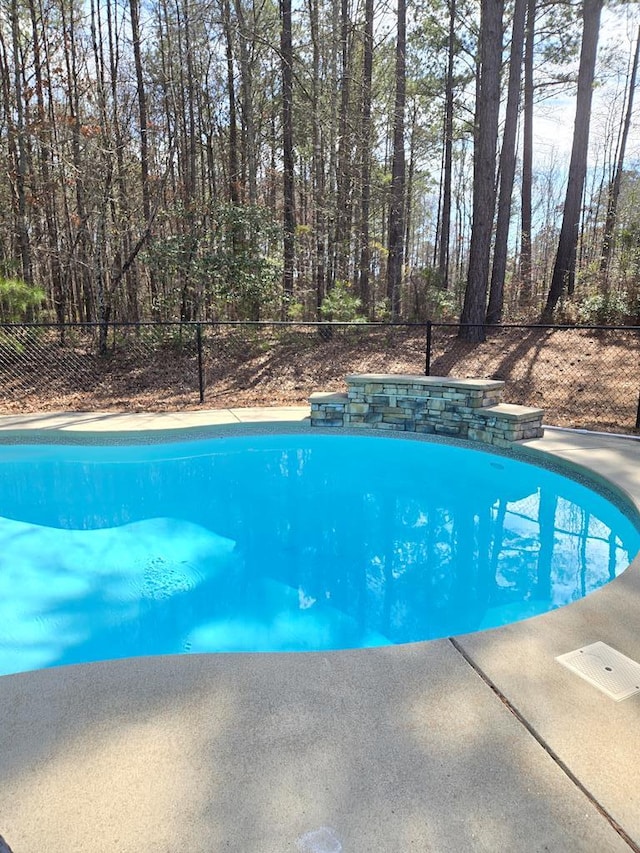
<point>583,377</point>
<point>586,377</point>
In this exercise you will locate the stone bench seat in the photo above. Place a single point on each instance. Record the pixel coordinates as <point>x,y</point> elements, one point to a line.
<point>474,392</point>
<point>443,405</point>
<point>401,379</point>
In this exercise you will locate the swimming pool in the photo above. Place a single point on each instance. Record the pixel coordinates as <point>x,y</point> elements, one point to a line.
<point>284,543</point>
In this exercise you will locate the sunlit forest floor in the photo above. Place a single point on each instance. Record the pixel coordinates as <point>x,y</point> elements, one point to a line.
<point>582,378</point>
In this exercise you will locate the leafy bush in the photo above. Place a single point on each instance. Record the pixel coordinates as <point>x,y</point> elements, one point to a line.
<point>19,301</point>
<point>223,267</point>
<point>295,311</point>
<point>341,306</point>
<point>604,309</point>
<point>424,297</point>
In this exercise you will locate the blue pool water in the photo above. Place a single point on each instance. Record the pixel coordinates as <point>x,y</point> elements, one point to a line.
<point>281,543</point>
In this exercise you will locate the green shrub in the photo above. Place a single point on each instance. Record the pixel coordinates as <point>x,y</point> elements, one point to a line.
<point>341,306</point>
<point>604,309</point>
<point>19,302</point>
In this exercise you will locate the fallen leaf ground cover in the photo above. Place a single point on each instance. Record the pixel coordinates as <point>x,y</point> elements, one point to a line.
<point>581,377</point>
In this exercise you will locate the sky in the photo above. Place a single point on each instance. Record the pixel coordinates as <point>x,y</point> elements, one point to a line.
<point>553,120</point>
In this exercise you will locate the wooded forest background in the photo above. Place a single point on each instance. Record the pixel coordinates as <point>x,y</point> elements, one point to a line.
<point>332,159</point>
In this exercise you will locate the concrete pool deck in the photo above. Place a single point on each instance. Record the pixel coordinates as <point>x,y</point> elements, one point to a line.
<point>481,742</point>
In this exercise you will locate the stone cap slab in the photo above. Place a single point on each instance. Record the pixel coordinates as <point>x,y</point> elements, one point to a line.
<point>511,412</point>
<point>417,379</point>
<point>328,397</point>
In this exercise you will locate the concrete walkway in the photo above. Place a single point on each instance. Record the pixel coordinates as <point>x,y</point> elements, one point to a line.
<point>478,743</point>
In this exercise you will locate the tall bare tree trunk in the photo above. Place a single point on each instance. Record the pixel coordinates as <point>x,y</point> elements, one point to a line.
<point>445,210</point>
<point>58,290</point>
<point>234,173</point>
<point>24,243</point>
<point>614,190</point>
<point>289,215</point>
<point>134,11</point>
<point>332,141</point>
<point>344,178</point>
<point>526,220</point>
<point>365,162</point>
<point>408,205</point>
<point>484,171</point>
<point>101,232</point>
<point>396,202</point>
<point>507,166</point>
<point>121,210</point>
<point>80,240</point>
<point>319,216</point>
<point>246,79</point>
<point>565,265</point>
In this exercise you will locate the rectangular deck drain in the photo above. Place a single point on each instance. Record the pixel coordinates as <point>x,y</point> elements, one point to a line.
<point>610,671</point>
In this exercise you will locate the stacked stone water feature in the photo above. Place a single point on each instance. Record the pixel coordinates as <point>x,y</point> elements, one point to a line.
<point>464,408</point>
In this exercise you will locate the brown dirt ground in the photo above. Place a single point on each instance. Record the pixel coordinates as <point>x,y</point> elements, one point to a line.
<point>582,378</point>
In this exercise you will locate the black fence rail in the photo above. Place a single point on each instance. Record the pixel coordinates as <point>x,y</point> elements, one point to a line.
<point>582,376</point>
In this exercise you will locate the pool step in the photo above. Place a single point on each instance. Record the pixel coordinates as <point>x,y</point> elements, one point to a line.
<point>509,422</point>
<point>464,408</point>
<point>327,408</point>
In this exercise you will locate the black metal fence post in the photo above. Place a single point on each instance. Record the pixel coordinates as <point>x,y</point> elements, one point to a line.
<point>427,366</point>
<point>200,371</point>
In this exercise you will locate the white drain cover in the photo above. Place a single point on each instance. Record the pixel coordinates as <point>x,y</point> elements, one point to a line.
<point>605,668</point>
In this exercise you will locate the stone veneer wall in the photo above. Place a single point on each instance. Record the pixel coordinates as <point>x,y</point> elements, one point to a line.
<point>465,408</point>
